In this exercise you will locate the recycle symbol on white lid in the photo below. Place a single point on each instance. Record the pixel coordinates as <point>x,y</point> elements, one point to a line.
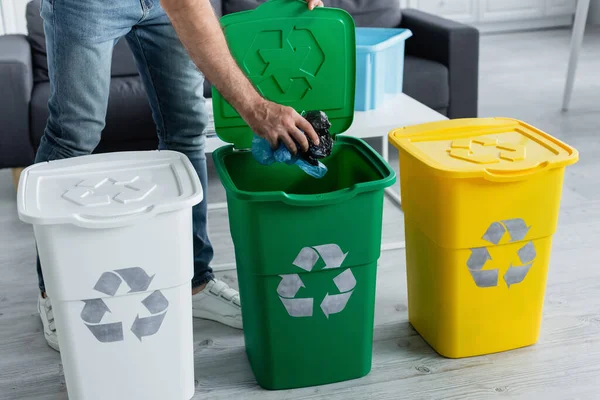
<point>125,190</point>
<point>517,231</point>
<point>290,284</point>
<point>109,282</point>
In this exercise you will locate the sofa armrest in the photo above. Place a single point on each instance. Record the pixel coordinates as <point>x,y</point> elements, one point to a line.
<point>16,83</point>
<point>454,45</point>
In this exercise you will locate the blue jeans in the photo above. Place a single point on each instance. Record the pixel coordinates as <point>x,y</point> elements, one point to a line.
<point>80,36</point>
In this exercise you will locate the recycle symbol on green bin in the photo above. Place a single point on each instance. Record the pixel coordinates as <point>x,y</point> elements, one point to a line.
<point>109,282</point>
<point>290,284</point>
<point>517,231</point>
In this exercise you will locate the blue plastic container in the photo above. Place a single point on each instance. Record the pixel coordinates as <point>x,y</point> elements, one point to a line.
<point>379,65</point>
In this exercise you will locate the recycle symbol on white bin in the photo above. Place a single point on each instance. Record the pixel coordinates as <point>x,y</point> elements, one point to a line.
<point>109,282</point>
<point>290,284</point>
<point>517,231</point>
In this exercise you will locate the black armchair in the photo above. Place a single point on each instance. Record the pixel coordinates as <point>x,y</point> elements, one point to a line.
<point>451,44</point>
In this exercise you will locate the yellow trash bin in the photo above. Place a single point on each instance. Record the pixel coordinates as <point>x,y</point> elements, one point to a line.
<point>481,200</point>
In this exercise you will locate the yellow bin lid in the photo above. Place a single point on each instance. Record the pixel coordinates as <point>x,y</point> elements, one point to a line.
<point>496,149</point>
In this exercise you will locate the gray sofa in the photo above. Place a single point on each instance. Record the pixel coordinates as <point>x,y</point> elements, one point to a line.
<point>441,71</point>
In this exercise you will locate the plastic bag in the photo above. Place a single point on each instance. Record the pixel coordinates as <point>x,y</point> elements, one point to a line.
<point>307,161</point>
<point>262,152</point>
<point>321,125</point>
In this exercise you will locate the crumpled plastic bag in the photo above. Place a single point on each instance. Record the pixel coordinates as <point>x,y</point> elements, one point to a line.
<point>307,161</point>
<point>321,125</point>
<point>262,152</point>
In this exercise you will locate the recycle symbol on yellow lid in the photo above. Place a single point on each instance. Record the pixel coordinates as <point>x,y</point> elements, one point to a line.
<point>109,282</point>
<point>471,150</point>
<point>290,284</point>
<point>517,230</point>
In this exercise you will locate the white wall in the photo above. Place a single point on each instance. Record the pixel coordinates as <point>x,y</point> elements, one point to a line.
<point>14,16</point>
<point>1,20</point>
<point>594,15</point>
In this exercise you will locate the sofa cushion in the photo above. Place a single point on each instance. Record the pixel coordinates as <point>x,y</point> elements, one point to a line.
<point>122,61</point>
<point>128,116</point>
<point>35,28</point>
<point>378,13</point>
<point>231,6</point>
<point>427,82</point>
<point>218,7</point>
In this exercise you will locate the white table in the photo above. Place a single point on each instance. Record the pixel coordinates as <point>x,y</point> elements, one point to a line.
<point>398,111</point>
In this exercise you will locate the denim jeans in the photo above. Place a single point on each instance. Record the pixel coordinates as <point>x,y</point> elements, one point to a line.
<point>80,36</point>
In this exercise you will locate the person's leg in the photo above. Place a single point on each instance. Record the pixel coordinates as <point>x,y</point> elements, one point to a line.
<point>80,36</point>
<point>175,90</point>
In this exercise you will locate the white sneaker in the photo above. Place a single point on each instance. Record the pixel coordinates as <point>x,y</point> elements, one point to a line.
<point>218,302</point>
<point>47,316</point>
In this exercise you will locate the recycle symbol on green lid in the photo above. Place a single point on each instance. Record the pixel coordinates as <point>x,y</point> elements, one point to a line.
<point>290,284</point>
<point>285,62</point>
<point>517,231</point>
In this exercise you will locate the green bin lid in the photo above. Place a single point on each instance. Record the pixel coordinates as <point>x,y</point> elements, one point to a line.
<point>296,57</point>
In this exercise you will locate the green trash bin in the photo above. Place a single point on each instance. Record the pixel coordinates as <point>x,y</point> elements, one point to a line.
<point>306,249</point>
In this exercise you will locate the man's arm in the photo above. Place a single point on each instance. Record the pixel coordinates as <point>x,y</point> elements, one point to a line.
<point>200,32</point>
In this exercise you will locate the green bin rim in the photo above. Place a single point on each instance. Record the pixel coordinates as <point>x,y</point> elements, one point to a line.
<point>310,200</point>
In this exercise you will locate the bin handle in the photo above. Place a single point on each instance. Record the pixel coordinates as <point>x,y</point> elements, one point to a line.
<point>92,221</point>
<point>324,199</point>
<point>510,176</point>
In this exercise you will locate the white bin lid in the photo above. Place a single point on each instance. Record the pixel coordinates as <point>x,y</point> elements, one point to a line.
<point>107,190</point>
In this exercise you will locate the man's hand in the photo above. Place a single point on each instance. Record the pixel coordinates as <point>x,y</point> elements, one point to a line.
<point>314,3</point>
<point>200,32</point>
<point>277,123</point>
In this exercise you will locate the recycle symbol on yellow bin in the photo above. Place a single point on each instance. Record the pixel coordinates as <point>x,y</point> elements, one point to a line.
<point>517,231</point>
<point>109,282</point>
<point>290,284</point>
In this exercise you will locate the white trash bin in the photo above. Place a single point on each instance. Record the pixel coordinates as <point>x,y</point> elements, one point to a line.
<point>114,235</point>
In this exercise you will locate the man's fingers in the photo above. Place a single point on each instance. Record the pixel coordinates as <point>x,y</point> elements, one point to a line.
<point>307,128</point>
<point>314,3</point>
<point>289,143</point>
<point>300,138</point>
<point>272,139</point>
<point>274,142</point>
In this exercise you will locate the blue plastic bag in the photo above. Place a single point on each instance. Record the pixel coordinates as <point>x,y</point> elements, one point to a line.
<point>262,152</point>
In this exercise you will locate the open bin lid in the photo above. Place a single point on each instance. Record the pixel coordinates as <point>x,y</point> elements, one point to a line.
<point>107,190</point>
<point>497,149</point>
<point>296,57</point>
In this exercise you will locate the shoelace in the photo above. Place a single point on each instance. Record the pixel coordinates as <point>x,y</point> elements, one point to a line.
<point>221,289</point>
<point>49,314</point>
